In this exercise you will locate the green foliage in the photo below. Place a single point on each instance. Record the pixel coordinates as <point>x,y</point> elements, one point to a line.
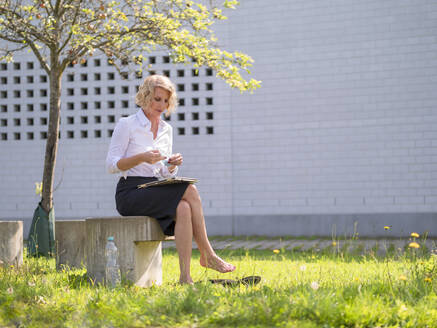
<point>297,290</point>
<point>74,30</point>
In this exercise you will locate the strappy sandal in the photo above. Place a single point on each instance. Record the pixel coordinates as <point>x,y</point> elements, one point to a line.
<point>250,280</point>
<point>246,281</point>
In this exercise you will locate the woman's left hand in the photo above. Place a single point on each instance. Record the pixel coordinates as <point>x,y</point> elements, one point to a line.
<point>176,159</point>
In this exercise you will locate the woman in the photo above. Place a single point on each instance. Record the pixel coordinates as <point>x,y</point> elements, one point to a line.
<point>141,150</point>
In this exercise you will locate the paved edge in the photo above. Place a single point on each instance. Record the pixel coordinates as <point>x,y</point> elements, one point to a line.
<point>381,246</point>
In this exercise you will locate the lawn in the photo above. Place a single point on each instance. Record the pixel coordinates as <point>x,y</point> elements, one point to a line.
<point>298,289</point>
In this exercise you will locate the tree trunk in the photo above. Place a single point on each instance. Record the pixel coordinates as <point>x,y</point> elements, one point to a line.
<point>53,133</point>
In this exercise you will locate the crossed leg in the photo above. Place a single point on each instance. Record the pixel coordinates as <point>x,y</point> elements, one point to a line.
<point>190,223</point>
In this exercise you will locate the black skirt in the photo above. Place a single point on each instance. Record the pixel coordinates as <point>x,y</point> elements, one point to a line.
<point>159,202</point>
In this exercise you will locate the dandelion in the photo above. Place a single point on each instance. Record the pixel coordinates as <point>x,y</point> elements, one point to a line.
<point>428,279</point>
<point>357,279</point>
<point>415,235</point>
<point>315,285</point>
<point>414,245</point>
<point>334,243</point>
<point>41,300</point>
<point>303,267</point>
<point>402,277</point>
<point>38,188</point>
<point>387,227</point>
<point>276,251</point>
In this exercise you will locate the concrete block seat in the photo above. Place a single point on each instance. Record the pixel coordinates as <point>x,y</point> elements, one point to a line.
<point>11,243</point>
<point>138,239</point>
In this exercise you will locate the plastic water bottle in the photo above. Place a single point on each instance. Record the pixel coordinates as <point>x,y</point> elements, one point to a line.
<point>112,268</point>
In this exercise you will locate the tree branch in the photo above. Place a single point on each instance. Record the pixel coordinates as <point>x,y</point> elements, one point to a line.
<point>16,24</point>
<point>38,55</point>
<point>75,15</point>
<point>8,52</point>
<point>7,38</point>
<point>57,6</point>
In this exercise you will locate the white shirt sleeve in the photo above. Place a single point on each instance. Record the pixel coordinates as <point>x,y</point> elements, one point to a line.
<point>118,145</point>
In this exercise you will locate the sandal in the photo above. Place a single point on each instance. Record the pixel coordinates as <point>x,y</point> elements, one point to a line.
<point>250,280</point>
<point>225,282</point>
<point>246,281</point>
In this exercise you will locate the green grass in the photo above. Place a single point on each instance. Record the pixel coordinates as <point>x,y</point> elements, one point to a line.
<point>298,289</point>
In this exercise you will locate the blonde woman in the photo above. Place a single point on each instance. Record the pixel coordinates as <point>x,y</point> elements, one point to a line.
<point>141,151</point>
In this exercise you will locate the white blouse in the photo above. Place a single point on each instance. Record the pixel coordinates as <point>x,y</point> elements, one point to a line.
<point>132,135</point>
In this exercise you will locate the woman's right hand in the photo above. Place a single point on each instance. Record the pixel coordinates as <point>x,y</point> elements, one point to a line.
<point>152,156</point>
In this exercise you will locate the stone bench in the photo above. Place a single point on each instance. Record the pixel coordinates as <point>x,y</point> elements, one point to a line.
<point>138,239</point>
<point>11,243</point>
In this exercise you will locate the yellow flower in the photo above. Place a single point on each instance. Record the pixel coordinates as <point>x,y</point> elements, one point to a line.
<point>428,279</point>
<point>38,188</point>
<point>387,228</point>
<point>414,245</point>
<point>402,277</point>
<point>334,243</point>
<point>415,235</point>
<point>276,251</point>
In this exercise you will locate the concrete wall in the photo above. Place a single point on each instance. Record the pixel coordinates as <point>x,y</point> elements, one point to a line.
<point>345,121</point>
<point>343,126</point>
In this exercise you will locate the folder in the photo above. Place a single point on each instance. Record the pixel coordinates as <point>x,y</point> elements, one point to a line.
<point>167,181</point>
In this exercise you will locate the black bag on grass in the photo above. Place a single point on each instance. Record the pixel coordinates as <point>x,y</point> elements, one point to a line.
<point>41,240</point>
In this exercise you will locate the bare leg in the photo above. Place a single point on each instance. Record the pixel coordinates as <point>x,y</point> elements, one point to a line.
<point>183,239</point>
<point>208,257</point>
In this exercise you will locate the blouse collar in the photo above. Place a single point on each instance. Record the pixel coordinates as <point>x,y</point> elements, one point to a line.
<point>144,121</point>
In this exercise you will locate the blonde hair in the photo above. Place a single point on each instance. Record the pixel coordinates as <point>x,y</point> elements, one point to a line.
<point>145,93</point>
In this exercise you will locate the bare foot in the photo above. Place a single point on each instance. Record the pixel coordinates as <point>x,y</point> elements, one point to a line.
<point>186,281</point>
<point>216,263</point>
